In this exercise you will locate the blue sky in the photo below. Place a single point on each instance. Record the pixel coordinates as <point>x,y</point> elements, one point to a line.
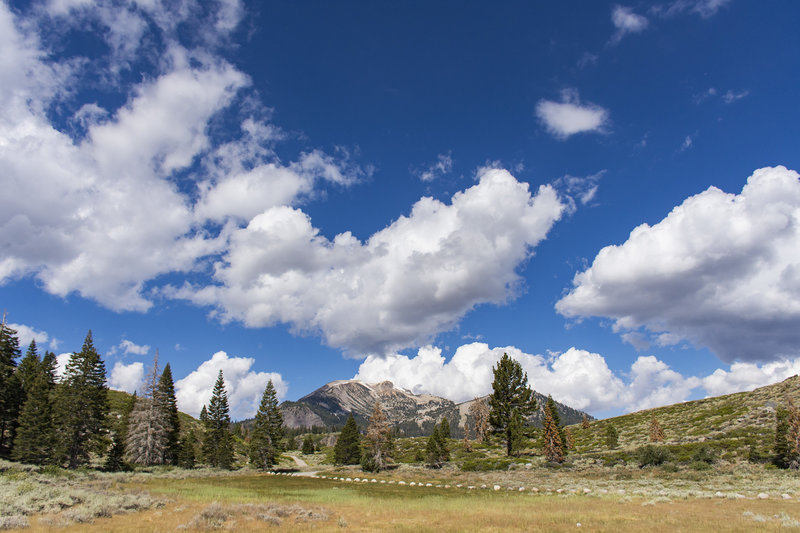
<point>310,191</point>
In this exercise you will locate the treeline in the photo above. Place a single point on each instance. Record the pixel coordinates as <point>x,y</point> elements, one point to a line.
<point>68,422</point>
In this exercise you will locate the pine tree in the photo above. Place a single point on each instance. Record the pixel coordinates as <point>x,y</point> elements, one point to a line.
<point>479,410</point>
<point>28,370</point>
<point>49,363</point>
<point>510,395</point>
<point>437,452</point>
<point>552,443</point>
<point>148,425</point>
<point>793,434</point>
<point>377,441</point>
<point>611,436</point>
<point>569,442</point>
<point>169,404</point>
<point>656,431</point>
<point>187,455</point>
<point>551,404</point>
<point>204,416</point>
<point>218,443</point>
<point>444,428</point>
<point>516,430</point>
<point>35,436</point>
<point>308,445</point>
<point>267,433</point>
<point>585,422</point>
<point>81,405</point>
<point>10,387</point>
<point>347,450</point>
<point>115,460</point>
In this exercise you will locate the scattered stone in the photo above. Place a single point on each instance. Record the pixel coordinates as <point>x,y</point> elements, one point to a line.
<point>586,490</point>
<point>786,497</point>
<point>559,491</point>
<point>413,483</point>
<point>763,495</point>
<point>348,479</point>
<point>383,481</point>
<point>718,494</point>
<point>522,489</point>
<point>427,484</point>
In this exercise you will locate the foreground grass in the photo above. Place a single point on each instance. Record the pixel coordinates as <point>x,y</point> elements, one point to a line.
<point>258,502</point>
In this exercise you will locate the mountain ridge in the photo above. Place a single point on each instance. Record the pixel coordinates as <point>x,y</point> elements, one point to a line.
<point>411,414</point>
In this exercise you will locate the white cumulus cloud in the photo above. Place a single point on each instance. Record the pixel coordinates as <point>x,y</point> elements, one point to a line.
<point>126,195</point>
<point>569,116</point>
<point>128,347</point>
<point>721,270</point>
<point>406,283</point>
<point>26,334</point>
<point>748,376</point>
<point>127,377</point>
<point>244,387</point>
<point>576,377</point>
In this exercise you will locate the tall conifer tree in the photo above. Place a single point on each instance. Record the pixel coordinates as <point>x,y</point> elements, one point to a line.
<point>553,445</point>
<point>166,395</point>
<point>377,441</point>
<point>81,405</point>
<point>347,450</point>
<point>510,394</point>
<point>35,436</point>
<point>267,433</point>
<point>218,442</point>
<point>10,387</point>
<point>28,370</point>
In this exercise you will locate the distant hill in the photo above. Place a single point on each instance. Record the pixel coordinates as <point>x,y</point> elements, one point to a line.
<point>411,414</point>
<point>733,424</point>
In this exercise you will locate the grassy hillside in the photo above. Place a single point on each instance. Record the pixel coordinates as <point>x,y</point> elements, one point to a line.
<point>732,424</point>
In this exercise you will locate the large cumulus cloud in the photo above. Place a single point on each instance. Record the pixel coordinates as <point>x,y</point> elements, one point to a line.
<point>103,200</point>
<point>407,282</point>
<point>576,377</point>
<point>721,270</point>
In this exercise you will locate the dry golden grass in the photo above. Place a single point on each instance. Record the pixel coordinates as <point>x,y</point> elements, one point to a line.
<point>304,504</point>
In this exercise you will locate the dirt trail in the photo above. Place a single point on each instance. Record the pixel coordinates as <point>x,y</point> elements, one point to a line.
<point>299,462</point>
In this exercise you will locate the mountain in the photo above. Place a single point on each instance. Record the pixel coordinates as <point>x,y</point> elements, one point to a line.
<point>411,414</point>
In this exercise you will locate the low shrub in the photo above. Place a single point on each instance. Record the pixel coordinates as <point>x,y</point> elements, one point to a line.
<point>700,465</point>
<point>704,454</point>
<point>670,467</point>
<point>485,465</point>
<point>650,455</point>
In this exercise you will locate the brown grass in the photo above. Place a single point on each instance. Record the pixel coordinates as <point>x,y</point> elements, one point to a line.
<point>254,502</point>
